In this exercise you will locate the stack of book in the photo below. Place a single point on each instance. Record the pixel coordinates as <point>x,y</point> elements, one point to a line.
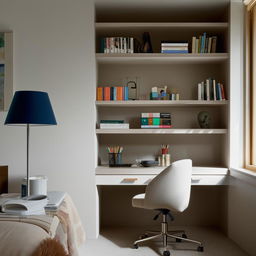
<point>174,47</point>
<point>112,93</point>
<point>204,44</point>
<point>210,90</point>
<point>33,205</point>
<point>155,120</point>
<point>117,45</point>
<point>113,124</point>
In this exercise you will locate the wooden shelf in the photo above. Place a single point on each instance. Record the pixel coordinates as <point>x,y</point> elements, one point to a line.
<point>160,103</point>
<point>162,131</point>
<point>159,25</point>
<point>105,170</point>
<point>154,58</point>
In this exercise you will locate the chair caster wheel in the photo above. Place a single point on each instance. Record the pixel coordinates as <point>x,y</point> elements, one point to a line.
<point>166,253</point>
<point>184,236</point>
<point>178,240</point>
<point>200,248</point>
<point>143,236</point>
<point>135,246</point>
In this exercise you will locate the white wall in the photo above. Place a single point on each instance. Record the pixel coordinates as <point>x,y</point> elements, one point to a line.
<point>242,214</point>
<point>54,52</point>
<point>241,224</point>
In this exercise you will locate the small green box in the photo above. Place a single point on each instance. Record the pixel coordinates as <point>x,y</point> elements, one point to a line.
<point>156,121</point>
<point>144,121</point>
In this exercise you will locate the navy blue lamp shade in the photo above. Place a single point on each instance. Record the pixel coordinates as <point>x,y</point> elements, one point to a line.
<point>30,107</point>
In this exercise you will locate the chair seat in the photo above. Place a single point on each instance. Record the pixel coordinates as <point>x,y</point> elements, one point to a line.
<point>139,201</point>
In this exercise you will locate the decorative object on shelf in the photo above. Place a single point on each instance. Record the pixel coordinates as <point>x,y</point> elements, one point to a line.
<point>174,95</point>
<point>210,90</point>
<point>30,108</point>
<point>149,163</point>
<point>155,120</point>
<point>165,158</point>
<point>159,93</point>
<point>163,93</point>
<point>204,119</point>
<point>132,90</point>
<point>132,83</point>
<point>138,48</point>
<point>204,44</point>
<point>115,155</point>
<point>147,46</point>
<point>174,47</point>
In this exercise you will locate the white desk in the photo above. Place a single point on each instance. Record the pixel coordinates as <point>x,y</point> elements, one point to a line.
<point>212,176</point>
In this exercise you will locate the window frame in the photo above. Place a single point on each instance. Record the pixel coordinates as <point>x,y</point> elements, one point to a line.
<point>250,86</point>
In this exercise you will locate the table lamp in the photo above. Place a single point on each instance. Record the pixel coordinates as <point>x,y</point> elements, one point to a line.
<point>30,108</point>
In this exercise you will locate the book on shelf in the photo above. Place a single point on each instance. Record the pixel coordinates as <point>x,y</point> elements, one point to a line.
<point>156,126</point>
<point>117,45</point>
<point>112,93</point>
<point>155,120</point>
<point>210,90</point>
<point>204,44</point>
<point>174,47</point>
<point>111,121</point>
<point>114,126</point>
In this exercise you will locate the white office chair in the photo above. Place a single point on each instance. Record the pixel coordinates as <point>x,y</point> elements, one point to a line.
<point>168,191</point>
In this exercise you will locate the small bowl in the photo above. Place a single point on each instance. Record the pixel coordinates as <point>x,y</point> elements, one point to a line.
<point>149,163</point>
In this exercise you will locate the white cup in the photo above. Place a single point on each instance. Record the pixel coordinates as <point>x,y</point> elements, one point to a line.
<point>38,185</point>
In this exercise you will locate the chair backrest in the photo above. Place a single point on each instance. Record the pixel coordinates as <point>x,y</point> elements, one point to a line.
<point>171,188</point>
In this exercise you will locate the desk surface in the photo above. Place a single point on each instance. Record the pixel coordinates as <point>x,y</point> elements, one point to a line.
<point>105,170</point>
<point>143,175</point>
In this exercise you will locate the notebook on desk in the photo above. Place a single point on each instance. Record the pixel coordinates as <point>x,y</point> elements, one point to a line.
<point>55,198</point>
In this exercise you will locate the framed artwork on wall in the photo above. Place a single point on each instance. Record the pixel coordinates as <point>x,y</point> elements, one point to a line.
<point>6,69</point>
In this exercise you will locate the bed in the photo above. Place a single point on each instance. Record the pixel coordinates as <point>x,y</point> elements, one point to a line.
<point>56,233</point>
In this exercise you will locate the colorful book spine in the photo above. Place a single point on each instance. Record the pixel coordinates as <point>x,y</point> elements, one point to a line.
<point>210,90</point>
<point>113,93</point>
<point>199,86</point>
<point>207,89</point>
<point>193,44</point>
<point>204,44</point>
<point>100,93</point>
<point>116,45</point>
<point>114,126</point>
<point>222,92</point>
<point>126,93</point>
<point>107,93</point>
<point>156,126</point>
<point>174,51</point>
<point>119,93</point>
<point>214,90</point>
<point>155,120</point>
<point>111,121</point>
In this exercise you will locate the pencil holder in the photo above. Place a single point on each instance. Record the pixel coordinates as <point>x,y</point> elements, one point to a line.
<point>114,158</point>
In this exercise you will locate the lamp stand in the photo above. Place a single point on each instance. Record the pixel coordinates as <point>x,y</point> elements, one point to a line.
<point>28,183</point>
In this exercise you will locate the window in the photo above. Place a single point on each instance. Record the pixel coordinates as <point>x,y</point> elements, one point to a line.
<point>250,76</point>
